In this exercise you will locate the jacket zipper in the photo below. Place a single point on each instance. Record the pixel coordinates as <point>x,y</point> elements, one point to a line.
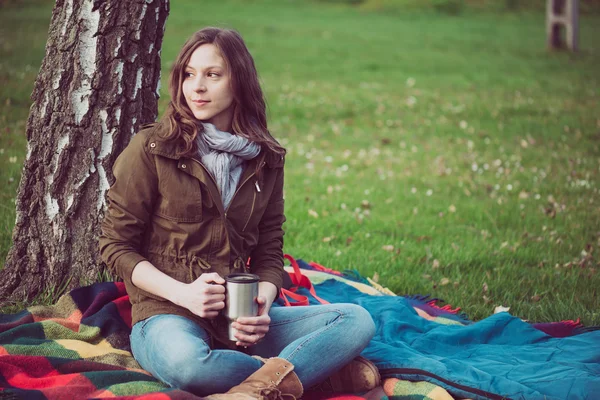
<point>236,191</point>
<point>240,186</point>
<point>414,371</point>
<point>252,208</point>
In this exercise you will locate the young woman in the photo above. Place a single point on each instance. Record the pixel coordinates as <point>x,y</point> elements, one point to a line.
<point>195,195</point>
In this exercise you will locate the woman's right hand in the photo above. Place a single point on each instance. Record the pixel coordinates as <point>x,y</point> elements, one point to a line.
<point>205,296</point>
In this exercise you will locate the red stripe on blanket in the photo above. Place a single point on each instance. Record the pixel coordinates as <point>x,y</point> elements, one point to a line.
<point>80,387</point>
<point>322,268</point>
<point>31,372</point>
<point>124,309</point>
<point>447,307</point>
<point>72,322</point>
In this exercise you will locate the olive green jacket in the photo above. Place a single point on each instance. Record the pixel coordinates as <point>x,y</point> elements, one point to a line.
<point>168,210</point>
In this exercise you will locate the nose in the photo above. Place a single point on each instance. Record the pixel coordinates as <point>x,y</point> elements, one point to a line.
<point>199,85</point>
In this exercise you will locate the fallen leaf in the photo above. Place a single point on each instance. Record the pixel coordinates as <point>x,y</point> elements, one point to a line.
<point>327,239</point>
<point>499,309</point>
<point>387,247</point>
<point>313,213</point>
<point>436,264</point>
<point>444,281</point>
<point>485,287</point>
<point>375,277</point>
<point>535,298</point>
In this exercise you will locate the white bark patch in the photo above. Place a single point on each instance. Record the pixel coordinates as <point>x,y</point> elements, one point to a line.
<point>133,126</point>
<point>118,46</point>
<point>103,186</point>
<point>157,90</point>
<point>118,115</point>
<point>107,138</point>
<point>138,82</point>
<point>87,43</point>
<point>68,13</point>
<point>133,57</point>
<point>44,106</point>
<point>28,151</point>
<point>82,180</point>
<point>138,29</point>
<point>62,143</point>
<point>56,81</point>
<point>119,73</point>
<point>52,208</point>
<point>150,48</point>
<point>69,201</point>
<point>105,149</point>
<point>81,101</point>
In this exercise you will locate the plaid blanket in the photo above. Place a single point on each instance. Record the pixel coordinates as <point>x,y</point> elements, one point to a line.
<point>79,348</point>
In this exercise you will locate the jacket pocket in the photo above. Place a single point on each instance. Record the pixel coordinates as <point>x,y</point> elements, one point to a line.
<point>180,197</point>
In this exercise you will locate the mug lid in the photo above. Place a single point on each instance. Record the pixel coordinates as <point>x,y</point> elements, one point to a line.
<point>242,278</point>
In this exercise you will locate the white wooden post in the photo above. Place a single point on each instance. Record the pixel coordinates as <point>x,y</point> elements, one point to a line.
<point>561,13</point>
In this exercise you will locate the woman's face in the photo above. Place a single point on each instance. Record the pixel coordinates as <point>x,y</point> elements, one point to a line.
<point>206,87</point>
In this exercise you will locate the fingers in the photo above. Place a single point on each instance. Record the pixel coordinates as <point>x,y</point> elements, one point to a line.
<point>251,329</point>
<point>209,310</point>
<point>212,277</point>
<point>248,339</point>
<point>254,321</point>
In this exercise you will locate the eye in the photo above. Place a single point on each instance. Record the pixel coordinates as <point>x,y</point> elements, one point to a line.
<point>213,75</point>
<point>187,74</point>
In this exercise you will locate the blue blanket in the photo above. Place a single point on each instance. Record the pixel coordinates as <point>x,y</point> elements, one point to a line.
<point>496,358</point>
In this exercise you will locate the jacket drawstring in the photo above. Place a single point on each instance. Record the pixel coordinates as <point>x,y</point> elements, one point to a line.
<point>239,263</point>
<point>202,263</point>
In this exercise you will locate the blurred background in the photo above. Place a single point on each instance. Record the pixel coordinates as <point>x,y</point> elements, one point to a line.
<point>435,146</point>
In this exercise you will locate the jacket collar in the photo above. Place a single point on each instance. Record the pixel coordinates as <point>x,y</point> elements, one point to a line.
<point>168,148</point>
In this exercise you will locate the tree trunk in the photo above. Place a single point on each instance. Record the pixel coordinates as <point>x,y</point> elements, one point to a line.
<point>99,81</point>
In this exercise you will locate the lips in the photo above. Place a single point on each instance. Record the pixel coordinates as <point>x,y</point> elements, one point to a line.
<point>200,102</point>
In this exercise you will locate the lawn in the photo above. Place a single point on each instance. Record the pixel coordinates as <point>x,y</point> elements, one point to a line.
<point>445,155</point>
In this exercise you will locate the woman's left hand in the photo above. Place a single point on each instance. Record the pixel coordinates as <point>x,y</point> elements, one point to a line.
<point>252,329</point>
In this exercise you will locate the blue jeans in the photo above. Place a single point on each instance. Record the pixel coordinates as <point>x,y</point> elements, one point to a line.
<point>317,340</point>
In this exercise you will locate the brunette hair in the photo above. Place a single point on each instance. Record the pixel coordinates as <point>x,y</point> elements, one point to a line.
<point>249,112</point>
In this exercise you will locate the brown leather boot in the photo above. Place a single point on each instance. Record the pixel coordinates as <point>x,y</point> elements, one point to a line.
<point>360,375</point>
<point>274,380</point>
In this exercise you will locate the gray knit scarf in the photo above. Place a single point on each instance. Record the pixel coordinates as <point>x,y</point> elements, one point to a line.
<point>224,154</point>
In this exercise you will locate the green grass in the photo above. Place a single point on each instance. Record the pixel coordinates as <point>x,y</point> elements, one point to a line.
<point>447,155</point>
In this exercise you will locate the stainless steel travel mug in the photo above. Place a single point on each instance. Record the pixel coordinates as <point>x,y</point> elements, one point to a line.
<point>240,298</point>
